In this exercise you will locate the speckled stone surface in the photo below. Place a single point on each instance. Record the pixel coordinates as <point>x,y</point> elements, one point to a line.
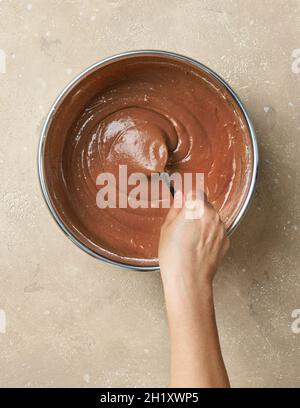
<point>67,319</point>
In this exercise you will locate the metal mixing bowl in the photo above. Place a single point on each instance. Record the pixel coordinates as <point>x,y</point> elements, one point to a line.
<point>96,67</point>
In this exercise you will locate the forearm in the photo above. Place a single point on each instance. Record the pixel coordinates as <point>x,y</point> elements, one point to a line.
<point>196,359</point>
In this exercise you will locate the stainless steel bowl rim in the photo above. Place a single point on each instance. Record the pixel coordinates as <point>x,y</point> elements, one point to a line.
<point>95,66</point>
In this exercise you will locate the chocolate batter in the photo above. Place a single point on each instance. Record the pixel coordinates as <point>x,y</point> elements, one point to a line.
<point>153,114</point>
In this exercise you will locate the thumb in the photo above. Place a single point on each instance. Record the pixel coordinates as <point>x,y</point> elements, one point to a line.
<point>176,207</point>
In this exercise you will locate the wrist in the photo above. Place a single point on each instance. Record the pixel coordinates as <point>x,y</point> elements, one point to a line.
<point>189,283</point>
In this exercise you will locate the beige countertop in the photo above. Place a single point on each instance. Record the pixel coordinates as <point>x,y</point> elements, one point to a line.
<point>67,319</point>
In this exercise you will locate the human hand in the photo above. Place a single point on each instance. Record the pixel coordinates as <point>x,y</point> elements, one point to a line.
<point>190,250</point>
